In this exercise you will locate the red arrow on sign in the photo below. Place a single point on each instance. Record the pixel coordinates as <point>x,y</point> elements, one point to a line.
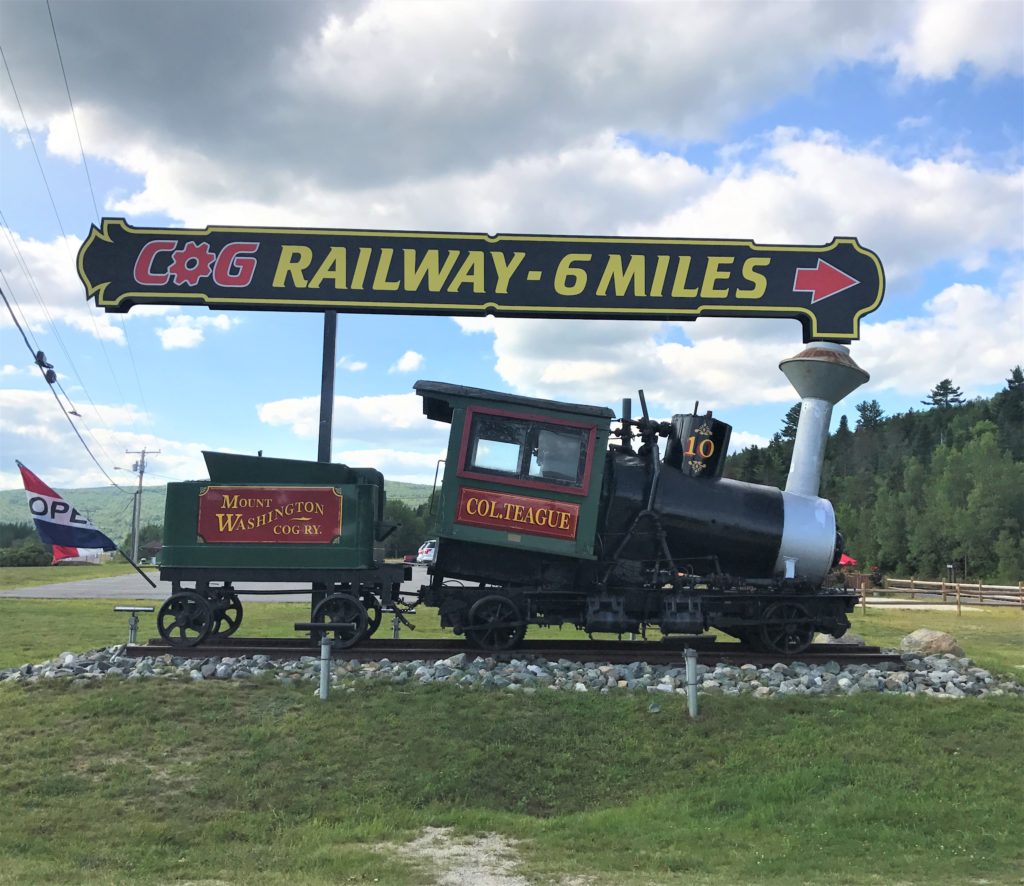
<point>822,280</point>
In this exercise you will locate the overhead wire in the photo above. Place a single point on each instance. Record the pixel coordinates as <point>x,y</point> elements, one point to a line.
<point>26,270</point>
<point>53,328</point>
<point>92,193</point>
<point>60,223</point>
<point>55,397</point>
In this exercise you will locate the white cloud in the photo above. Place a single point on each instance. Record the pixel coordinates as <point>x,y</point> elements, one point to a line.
<point>396,464</point>
<point>729,363</point>
<point>350,365</point>
<point>10,369</point>
<point>391,87</point>
<point>808,188</point>
<point>189,330</point>
<point>42,281</point>
<point>741,440</point>
<point>968,333</point>
<point>410,361</point>
<point>947,34</point>
<point>385,416</point>
<point>36,432</point>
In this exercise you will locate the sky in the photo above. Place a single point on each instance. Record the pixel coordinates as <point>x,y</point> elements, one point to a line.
<point>898,123</point>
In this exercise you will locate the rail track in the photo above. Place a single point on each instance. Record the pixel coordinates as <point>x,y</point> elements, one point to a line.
<point>709,651</point>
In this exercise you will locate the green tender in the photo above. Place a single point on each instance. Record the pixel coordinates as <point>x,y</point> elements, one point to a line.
<point>361,489</point>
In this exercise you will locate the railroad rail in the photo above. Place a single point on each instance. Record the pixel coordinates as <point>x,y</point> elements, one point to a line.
<point>709,651</point>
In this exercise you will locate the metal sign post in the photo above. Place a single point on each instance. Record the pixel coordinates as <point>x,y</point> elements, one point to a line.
<point>327,386</point>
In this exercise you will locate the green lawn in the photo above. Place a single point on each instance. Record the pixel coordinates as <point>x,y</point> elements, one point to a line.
<point>32,576</point>
<point>167,781</point>
<point>993,635</point>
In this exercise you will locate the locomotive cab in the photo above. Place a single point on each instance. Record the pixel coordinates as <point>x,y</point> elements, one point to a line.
<point>522,476</point>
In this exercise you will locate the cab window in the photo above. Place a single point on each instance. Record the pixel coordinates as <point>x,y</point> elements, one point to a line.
<point>528,450</point>
<point>496,444</point>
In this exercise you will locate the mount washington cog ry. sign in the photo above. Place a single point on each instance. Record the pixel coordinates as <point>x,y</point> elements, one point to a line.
<point>827,288</point>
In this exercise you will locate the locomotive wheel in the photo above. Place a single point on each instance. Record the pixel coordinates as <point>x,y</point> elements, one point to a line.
<point>185,619</point>
<point>346,609</point>
<point>495,624</point>
<point>227,615</point>
<point>787,628</point>
<point>373,613</point>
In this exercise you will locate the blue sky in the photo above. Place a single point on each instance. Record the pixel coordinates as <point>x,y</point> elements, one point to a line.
<point>791,122</point>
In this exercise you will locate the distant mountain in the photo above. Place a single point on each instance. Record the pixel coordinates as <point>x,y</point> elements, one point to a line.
<point>111,510</point>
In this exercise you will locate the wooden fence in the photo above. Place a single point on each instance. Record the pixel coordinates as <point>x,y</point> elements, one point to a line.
<point>928,593</point>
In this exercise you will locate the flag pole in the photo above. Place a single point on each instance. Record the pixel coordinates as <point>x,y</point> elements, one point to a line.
<point>137,568</point>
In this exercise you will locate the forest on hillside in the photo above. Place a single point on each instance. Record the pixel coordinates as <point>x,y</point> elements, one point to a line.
<point>918,491</point>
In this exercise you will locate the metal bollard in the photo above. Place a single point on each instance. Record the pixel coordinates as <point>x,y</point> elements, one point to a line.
<point>133,620</point>
<point>325,666</point>
<point>691,681</point>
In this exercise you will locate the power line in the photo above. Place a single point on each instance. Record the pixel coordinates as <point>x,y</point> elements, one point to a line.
<point>32,141</point>
<point>53,328</point>
<point>92,192</point>
<point>60,223</point>
<point>51,377</point>
<point>74,116</point>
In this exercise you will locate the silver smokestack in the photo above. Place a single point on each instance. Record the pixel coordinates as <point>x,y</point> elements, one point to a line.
<point>823,373</point>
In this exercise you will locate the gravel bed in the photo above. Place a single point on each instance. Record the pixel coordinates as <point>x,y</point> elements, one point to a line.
<point>946,676</point>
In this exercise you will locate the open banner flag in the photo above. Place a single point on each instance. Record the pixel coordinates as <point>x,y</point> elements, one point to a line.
<point>75,555</point>
<point>57,522</point>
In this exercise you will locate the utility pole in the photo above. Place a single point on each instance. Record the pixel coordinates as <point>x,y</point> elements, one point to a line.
<point>140,468</point>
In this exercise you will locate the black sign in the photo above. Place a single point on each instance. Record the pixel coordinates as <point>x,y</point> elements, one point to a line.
<point>827,288</point>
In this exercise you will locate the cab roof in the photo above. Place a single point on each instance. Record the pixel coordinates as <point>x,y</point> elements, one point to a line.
<point>438,396</point>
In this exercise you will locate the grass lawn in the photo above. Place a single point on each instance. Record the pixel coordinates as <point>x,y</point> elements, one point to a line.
<point>33,576</point>
<point>164,781</point>
<point>993,635</point>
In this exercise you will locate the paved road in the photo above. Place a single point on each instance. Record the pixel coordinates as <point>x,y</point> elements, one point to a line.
<point>134,587</point>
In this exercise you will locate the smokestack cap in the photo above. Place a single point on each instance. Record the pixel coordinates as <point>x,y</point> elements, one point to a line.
<point>825,371</point>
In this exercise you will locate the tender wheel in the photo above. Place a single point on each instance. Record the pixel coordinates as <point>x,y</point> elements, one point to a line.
<point>227,615</point>
<point>185,619</point>
<point>373,613</point>
<point>347,611</point>
<point>495,624</point>
<point>787,628</point>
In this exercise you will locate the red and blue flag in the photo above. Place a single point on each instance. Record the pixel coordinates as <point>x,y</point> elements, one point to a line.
<point>57,521</point>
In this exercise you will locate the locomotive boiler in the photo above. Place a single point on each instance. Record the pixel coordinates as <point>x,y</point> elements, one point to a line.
<point>549,516</point>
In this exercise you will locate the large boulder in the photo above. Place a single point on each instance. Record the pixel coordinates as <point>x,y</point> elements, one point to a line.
<point>929,642</point>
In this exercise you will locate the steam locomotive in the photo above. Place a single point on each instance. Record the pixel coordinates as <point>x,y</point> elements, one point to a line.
<point>542,522</point>
<point>547,516</point>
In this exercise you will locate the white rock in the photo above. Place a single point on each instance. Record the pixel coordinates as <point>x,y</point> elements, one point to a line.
<point>931,643</point>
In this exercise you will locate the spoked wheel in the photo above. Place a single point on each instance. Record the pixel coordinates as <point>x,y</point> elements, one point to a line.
<point>787,628</point>
<point>495,624</point>
<point>227,615</point>
<point>346,611</point>
<point>374,613</point>
<point>185,619</point>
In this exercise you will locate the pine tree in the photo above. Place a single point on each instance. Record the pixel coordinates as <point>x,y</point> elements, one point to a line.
<point>869,414</point>
<point>945,395</point>
<point>790,422</point>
